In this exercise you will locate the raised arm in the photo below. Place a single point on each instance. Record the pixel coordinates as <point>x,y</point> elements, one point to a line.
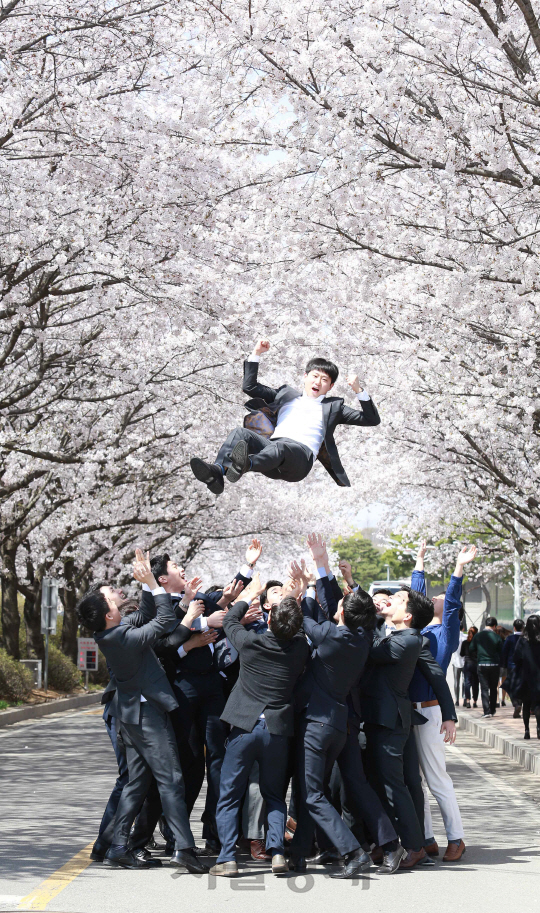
<point>165,620</point>
<point>235,631</point>
<point>250,385</point>
<point>418,578</point>
<point>452,603</point>
<point>367,414</point>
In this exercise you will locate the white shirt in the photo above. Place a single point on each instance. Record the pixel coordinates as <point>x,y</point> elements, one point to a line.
<point>302,419</point>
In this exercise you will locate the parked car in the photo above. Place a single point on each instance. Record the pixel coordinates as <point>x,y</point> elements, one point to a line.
<point>392,585</point>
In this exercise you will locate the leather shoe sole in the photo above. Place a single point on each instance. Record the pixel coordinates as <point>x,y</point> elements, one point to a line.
<point>239,461</point>
<point>203,473</point>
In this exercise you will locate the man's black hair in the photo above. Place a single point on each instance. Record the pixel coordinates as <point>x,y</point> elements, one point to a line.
<point>286,619</point>
<point>519,624</point>
<point>158,564</point>
<point>383,592</point>
<point>491,622</point>
<point>421,609</point>
<point>359,611</point>
<point>269,585</point>
<point>323,364</point>
<point>215,588</point>
<point>92,609</point>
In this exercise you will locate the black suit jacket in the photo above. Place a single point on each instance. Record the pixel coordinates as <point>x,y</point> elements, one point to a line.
<point>201,659</point>
<point>385,685</point>
<point>335,412</point>
<point>135,668</point>
<point>335,667</point>
<point>269,670</point>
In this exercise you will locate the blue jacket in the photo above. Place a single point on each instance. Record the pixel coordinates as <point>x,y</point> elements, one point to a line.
<point>443,638</point>
<point>508,650</point>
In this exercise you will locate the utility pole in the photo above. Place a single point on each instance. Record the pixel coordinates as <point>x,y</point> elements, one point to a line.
<point>518,608</point>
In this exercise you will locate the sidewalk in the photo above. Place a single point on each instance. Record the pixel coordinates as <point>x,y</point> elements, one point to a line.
<point>504,734</point>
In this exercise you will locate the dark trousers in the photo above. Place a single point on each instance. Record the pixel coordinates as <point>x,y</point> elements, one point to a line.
<point>201,736</point>
<point>106,828</point>
<point>281,459</point>
<point>488,676</point>
<point>386,754</point>
<point>470,675</point>
<point>318,746</point>
<point>243,748</point>
<point>362,802</point>
<point>151,750</point>
<point>530,704</point>
<point>458,672</point>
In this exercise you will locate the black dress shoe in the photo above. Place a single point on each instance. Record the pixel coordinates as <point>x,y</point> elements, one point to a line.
<point>356,862</point>
<point>125,859</point>
<point>239,461</point>
<point>185,861</point>
<point>517,713</point>
<point>298,865</point>
<point>212,847</point>
<point>145,856</point>
<point>208,473</point>
<point>326,857</point>
<point>99,850</point>
<point>391,861</point>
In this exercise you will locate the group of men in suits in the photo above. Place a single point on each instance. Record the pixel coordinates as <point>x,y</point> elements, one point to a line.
<point>263,687</point>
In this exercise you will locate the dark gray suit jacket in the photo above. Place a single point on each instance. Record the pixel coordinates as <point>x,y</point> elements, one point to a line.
<point>335,412</point>
<point>135,668</point>
<point>269,670</point>
<point>385,684</point>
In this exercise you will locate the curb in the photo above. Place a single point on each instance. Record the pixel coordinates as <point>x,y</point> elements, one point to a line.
<point>526,755</point>
<point>36,711</point>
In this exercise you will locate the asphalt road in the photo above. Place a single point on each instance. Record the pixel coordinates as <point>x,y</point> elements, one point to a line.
<point>55,777</point>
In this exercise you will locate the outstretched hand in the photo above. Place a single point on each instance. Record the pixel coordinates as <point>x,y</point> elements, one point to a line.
<point>465,556</point>
<point>253,551</point>
<point>317,547</point>
<point>192,588</point>
<point>230,593</point>
<point>142,570</point>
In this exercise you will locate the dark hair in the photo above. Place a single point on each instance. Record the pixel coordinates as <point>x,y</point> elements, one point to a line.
<point>269,584</point>
<point>158,565</point>
<point>92,609</point>
<point>215,588</point>
<point>359,611</point>
<point>421,609</point>
<point>519,624</point>
<point>491,622</point>
<point>322,364</point>
<point>532,629</point>
<point>286,619</point>
<point>471,632</point>
<point>128,607</point>
<point>383,593</point>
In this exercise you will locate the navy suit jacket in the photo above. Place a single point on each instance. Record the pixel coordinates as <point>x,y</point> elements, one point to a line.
<point>336,665</point>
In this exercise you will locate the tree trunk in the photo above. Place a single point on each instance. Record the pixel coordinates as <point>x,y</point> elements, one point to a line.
<point>69,598</point>
<point>11,620</point>
<point>32,620</point>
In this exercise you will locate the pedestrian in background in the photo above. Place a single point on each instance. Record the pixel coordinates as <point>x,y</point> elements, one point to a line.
<point>527,669</point>
<point>470,670</point>
<point>458,660</point>
<point>507,659</point>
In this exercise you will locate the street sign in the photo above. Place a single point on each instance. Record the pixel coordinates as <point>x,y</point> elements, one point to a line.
<point>49,605</point>
<point>87,654</point>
